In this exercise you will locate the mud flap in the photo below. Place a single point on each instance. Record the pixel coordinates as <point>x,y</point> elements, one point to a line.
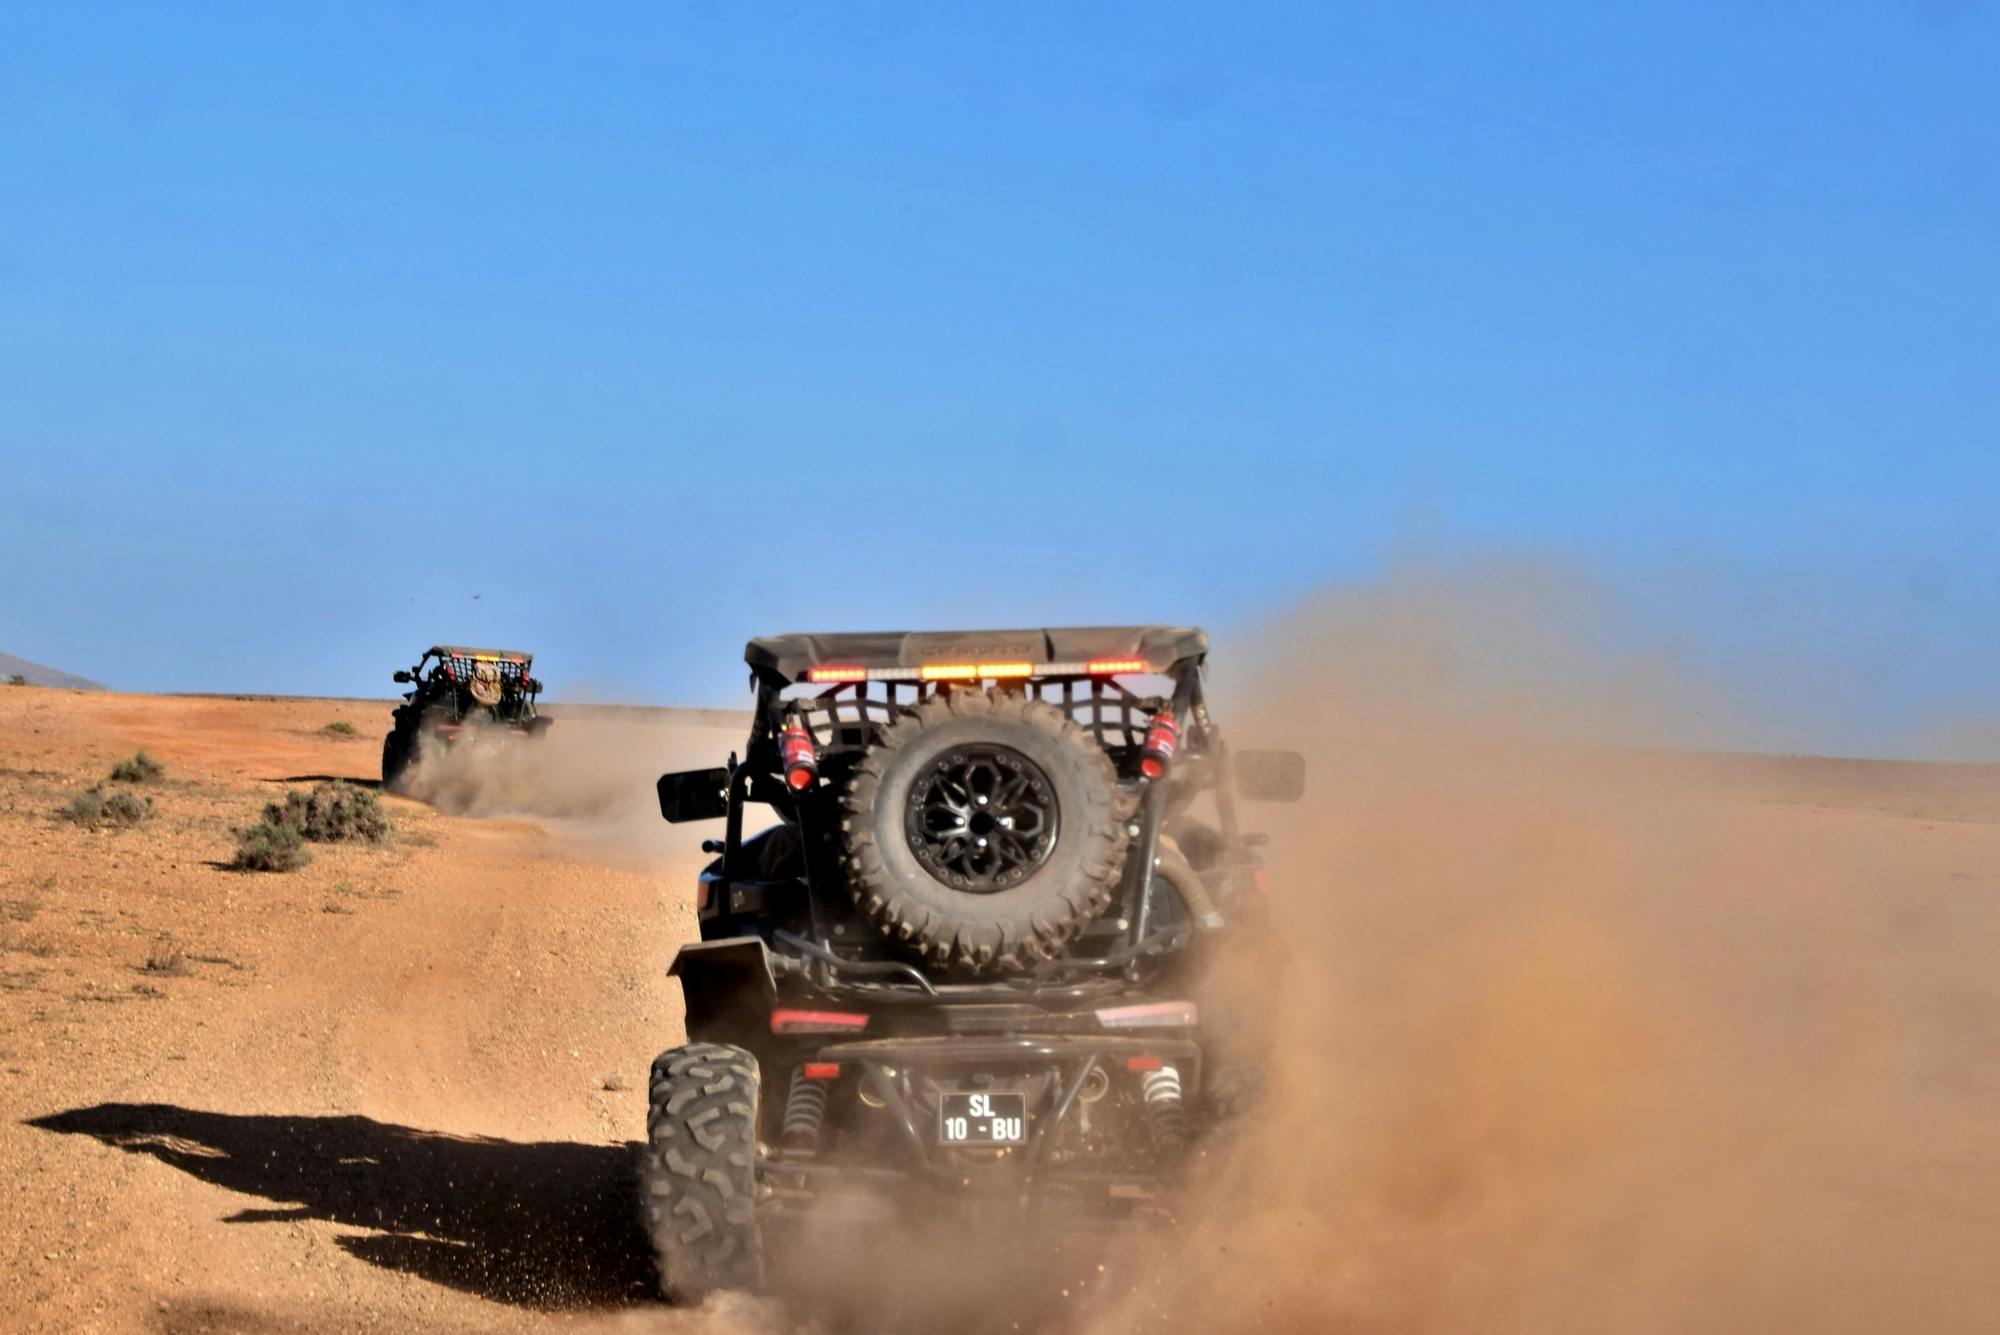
<point>729,990</point>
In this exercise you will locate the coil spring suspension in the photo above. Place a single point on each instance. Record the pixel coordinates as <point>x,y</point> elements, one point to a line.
<point>805,1112</point>
<point>1164,1110</point>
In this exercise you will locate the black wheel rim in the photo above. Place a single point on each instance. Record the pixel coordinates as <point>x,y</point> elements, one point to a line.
<point>981,818</point>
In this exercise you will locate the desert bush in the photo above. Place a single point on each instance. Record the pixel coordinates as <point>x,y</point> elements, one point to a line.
<point>334,813</point>
<point>95,808</point>
<point>138,768</point>
<point>270,845</point>
<point>167,958</point>
<point>85,808</point>
<point>17,680</point>
<point>340,727</point>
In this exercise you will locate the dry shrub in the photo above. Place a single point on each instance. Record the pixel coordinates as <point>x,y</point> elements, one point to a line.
<point>167,959</point>
<point>138,768</point>
<point>96,809</point>
<point>333,813</point>
<point>270,845</point>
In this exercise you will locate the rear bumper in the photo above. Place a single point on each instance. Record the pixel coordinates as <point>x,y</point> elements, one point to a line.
<point>1090,1162</point>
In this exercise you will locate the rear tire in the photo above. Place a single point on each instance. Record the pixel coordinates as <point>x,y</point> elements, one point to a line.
<point>698,1179</point>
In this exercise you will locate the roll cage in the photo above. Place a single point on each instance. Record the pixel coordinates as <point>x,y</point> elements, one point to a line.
<point>442,678</point>
<point>842,690</point>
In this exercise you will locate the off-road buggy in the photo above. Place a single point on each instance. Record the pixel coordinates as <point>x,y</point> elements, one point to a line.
<point>455,689</point>
<point>965,968</point>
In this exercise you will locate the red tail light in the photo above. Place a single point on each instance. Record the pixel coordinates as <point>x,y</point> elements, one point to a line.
<point>796,755</point>
<point>1161,739</point>
<point>821,1070</point>
<point>1143,1063</point>
<point>817,1022</point>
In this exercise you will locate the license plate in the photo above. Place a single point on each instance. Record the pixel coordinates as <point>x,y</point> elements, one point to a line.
<point>983,1119</point>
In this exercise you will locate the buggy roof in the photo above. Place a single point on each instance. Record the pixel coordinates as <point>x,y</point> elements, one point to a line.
<point>1157,647</point>
<point>521,656</point>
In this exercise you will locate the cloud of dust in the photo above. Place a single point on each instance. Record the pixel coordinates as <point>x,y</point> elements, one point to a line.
<point>1534,1069</point>
<point>589,776</point>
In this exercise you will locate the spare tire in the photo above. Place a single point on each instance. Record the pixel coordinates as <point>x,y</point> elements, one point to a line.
<point>984,830</point>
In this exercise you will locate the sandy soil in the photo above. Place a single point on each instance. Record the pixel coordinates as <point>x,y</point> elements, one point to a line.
<point>1647,1043</point>
<point>373,1092</point>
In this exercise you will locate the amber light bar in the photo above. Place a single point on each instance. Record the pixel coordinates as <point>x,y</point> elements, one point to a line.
<point>973,671</point>
<point>1096,667</point>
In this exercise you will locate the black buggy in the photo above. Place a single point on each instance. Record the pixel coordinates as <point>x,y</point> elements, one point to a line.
<point>964,970</point>
<point>453,690</point>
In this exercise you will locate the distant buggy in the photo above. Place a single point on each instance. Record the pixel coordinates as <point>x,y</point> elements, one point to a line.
<point>455,689</point>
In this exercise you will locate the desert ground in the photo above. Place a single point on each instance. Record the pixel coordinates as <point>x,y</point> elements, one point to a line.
<point>368,1093</point>
<point>1645,1042</point>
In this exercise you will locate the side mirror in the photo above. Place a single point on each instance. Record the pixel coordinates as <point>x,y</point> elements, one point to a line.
<point>1269,776</point>
<point>403,677</point>
<point>694,794</point>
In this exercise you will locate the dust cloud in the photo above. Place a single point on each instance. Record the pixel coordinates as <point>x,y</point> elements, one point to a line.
<point>1579,1034</point>
<point>589,777</point>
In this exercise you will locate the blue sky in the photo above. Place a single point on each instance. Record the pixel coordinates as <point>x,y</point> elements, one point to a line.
<point>660,326</point>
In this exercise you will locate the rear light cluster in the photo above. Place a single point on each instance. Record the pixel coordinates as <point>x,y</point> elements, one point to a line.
<point>1096,667</point>
<point>817,1022</point>
<point>797,757</point>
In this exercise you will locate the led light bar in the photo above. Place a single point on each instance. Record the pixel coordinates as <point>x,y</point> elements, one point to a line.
<point>1096,667</point>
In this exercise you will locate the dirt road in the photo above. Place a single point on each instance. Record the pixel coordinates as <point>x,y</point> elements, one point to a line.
<point>371,1093</point>
<point>1665,1043</point>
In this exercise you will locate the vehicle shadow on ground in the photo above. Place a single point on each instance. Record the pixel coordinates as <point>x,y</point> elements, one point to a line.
<point>545,1224</point>
<point>347,779</point>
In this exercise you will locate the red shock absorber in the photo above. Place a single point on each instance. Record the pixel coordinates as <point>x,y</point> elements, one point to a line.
<point>797,756</point>
<point>1161,738</point>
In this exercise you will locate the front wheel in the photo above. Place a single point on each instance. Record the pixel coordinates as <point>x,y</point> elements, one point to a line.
<point>699,1176</point>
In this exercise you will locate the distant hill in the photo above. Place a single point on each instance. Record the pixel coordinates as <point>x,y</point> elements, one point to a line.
<point>37,675</point>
